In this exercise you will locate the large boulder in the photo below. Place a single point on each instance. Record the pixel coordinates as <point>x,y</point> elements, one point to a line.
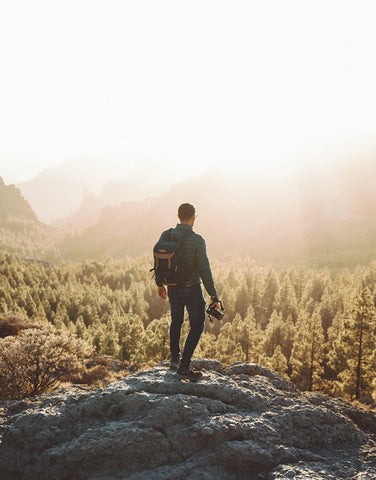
<point>245,422</point>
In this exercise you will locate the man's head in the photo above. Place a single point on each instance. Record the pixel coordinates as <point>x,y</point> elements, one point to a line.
<point>187,213</point>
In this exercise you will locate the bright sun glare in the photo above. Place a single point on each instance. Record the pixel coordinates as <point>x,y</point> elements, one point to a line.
<point>204,80</point>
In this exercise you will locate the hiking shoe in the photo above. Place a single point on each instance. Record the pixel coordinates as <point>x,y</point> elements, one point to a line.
<point>188,374</point>
<point>174,363</point>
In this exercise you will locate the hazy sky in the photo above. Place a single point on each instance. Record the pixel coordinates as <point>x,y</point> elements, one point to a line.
<point>194,80</point>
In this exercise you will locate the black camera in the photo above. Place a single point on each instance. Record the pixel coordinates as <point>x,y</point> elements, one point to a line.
<point>213,312</point>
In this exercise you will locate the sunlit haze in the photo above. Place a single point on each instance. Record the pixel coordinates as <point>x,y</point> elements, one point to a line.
<point>202,83</point>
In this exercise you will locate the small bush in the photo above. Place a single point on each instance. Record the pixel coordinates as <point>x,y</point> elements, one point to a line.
<point>38,360</point>
<point>11,325</point>
<point>97,376</point>
<point>101,370</point>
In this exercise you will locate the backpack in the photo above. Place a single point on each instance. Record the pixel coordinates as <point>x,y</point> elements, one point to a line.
<point>170,266</point>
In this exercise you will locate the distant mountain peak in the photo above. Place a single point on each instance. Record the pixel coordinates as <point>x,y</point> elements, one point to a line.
<point>12,203</point>
<point>21,232</point>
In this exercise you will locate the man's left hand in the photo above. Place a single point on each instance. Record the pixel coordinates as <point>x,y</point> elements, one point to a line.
<point>215,302</point>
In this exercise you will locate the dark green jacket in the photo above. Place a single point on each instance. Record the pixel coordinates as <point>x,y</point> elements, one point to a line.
<point>194,250</point>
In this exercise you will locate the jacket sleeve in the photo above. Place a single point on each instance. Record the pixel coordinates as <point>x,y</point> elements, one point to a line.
<point>203,267</point>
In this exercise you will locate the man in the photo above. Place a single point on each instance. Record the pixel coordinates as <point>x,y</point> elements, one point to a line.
<point>188,295</point>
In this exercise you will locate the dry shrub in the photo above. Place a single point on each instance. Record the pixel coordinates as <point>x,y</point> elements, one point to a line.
<point>97,376</point>
<point>11,325</point>
<point>101,370</point>
<point>38,360</point>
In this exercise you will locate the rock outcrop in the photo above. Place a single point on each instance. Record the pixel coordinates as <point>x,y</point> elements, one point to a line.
<point>245,422</point>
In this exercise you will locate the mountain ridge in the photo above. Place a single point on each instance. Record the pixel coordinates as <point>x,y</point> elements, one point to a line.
<point>284,218</point>
<point>12,203</point>
<point>21,232</point>
<point>57,194</point>
<point>323,216</point>
<point>57,191</point>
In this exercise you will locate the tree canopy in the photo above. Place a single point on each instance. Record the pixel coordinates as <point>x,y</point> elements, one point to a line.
<point>314,325</point>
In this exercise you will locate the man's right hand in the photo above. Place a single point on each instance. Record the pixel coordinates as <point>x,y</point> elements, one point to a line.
<point>162,292</point>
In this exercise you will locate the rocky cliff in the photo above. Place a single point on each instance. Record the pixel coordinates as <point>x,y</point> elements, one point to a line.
<point>245,422</point>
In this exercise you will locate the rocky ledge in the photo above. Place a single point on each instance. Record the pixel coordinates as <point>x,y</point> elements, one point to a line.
<point>245,422</point>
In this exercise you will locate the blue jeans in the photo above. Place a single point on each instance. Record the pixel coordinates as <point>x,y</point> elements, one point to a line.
<point>192,298</point>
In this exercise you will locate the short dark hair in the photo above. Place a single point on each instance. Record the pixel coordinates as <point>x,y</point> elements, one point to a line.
<point>186,211</point>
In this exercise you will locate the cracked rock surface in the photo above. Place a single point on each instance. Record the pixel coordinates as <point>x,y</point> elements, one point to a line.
<point>246,422</point>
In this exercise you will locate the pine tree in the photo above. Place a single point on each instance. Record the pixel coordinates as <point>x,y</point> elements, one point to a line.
<point>248,335</point>
<point>285,301</point>
<point>96,334</point>
<point>277,361</point>
<point>353,351</point>
<point>131,334</point>
<point>239,341</point>
<point>280,333</point>
<point>316,286</point>
<point>298,280</point>
<point>156,340</point>
<point>110,343</point>
<point>242,301</point>
<point>256,299</point>
<point>207,346</point>
<point>307,355</point>
<point>227,348</point>
<point>40,315</point>
<point>229,300</point>
<point>80,328</point>
<point>268,297</point>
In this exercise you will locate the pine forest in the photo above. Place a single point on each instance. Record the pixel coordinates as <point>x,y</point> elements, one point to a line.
<point>315,326</point>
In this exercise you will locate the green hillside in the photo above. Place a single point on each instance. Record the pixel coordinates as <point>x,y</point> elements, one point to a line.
<point>21,233</point>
